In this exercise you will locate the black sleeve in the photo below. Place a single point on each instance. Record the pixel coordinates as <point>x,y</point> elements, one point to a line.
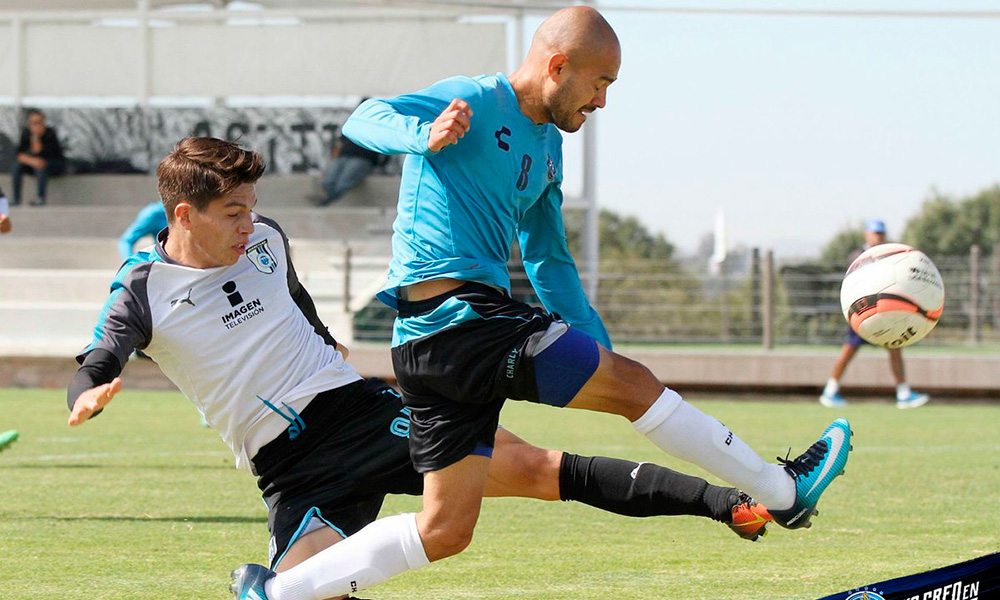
<point>100,366</point>
<point>52,148</point>
<point>305,303</point>
<point>299,294</point>
<point>23,145</point>
<point>125,323</point>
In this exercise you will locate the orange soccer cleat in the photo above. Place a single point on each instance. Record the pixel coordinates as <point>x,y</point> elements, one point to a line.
<point>750,518</point>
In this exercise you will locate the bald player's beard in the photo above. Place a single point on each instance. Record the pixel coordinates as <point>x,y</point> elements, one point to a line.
<point>560,111</point>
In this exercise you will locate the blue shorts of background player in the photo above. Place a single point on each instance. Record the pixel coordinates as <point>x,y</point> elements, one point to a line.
<point>854,340</point>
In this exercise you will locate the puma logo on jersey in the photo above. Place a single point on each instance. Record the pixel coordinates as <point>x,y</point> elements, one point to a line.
<point>184,300</point>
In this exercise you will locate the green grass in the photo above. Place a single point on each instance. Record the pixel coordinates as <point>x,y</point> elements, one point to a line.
<point>982,349</point>
<point>142,502</point>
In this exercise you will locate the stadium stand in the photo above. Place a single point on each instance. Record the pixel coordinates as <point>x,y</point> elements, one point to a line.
<point>58,263</point>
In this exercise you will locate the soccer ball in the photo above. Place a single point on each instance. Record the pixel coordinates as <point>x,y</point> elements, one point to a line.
<point>892,295</point>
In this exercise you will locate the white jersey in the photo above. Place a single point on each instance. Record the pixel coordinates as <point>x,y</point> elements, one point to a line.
<point>216,334</point>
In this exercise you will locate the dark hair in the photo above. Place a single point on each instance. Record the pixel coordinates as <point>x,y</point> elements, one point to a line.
<point>202,169</point>
<point>33,111</point>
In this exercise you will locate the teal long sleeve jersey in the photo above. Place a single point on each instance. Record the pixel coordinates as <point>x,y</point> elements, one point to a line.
<point>150,221</point>
<point>460,208</point>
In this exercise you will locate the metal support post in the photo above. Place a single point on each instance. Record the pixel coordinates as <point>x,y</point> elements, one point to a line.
<point>768,293</point>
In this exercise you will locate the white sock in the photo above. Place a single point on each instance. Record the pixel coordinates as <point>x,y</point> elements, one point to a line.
<point>832,387</point>
<point>685,432</point>
<point>381,550</point>
<point>903,391</point>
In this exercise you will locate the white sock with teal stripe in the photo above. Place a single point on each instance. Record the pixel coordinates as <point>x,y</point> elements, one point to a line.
<point>383,549</point>
<point>687,433</point>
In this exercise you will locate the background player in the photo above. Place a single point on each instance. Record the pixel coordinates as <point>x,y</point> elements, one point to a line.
<point>148,222</point>
<point>325,444</point>
<point>905,397</point>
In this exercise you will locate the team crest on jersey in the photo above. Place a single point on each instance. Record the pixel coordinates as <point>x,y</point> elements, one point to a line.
<point>550,169</point>
<point>866,594</point>
<point>261,257</point>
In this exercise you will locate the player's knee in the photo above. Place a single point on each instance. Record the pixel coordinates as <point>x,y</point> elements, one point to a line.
<point>633,380</point>
<point>541,471</point>
<point>448,539</point>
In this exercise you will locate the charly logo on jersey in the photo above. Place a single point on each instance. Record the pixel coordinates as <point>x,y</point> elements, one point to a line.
<point>261,257</point>
<point>499,134</point>
<point>550,169</point>
<point>242,311</point>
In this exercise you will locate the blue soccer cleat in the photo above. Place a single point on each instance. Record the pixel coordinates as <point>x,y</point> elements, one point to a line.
<point>914,400</point>
<point>833,400</point>
<point>813,471</point>
<point>248,582</point>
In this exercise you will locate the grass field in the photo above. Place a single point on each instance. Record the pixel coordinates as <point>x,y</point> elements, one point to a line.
<point>142,502</point>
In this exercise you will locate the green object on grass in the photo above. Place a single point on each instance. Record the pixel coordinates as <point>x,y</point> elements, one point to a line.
<point>7,438</point>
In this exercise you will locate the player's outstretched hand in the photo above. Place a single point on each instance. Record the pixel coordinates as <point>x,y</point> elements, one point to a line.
<point>93,400</point>
<point>450,126</point>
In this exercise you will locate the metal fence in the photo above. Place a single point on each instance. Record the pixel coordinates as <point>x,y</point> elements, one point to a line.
<point>753,298</point>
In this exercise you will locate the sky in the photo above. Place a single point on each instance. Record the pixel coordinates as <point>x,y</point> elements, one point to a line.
<point>795,127</point>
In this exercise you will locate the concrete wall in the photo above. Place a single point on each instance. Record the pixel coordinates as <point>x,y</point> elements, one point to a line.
<point>377,56</point>
<point>945,375</point>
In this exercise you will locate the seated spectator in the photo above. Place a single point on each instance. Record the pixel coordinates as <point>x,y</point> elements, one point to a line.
<point>351,165</point>
<point>39,154</point>
<point>150,220</point>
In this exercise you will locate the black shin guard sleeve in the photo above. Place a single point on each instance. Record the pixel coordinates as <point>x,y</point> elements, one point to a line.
<point>641,489</point>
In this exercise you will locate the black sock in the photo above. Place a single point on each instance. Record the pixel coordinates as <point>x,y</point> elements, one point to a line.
<point>627,488</point>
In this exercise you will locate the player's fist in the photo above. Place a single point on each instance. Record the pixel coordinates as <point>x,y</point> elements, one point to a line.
<point>450,126</point>
<point>93,400</point>
<point>5,224</point>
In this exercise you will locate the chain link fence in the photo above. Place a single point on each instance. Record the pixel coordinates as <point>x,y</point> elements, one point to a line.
<point>751,299</point>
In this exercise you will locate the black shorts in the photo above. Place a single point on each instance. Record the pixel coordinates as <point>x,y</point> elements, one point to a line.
<point>455,380</point>
<point>351,453</point>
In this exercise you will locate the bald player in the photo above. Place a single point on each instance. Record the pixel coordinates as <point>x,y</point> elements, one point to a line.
<point>484,165</point>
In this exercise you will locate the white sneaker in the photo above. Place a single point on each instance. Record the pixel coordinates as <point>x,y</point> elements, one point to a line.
<point>914,400</point>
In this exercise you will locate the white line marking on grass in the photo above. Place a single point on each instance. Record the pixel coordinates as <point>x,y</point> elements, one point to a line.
<point>87,455</point>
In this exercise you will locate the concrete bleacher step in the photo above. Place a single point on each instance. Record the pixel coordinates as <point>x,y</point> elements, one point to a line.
<point>336,223</point>
<point>63,328</point>
<point>71,286</point>
<point>74,286</point>
<point>46,328</point>
<point>96,254</point>
<point>53,311</point>
<point>365,281</point>
<point>20,252</point>
<point>291,191</point>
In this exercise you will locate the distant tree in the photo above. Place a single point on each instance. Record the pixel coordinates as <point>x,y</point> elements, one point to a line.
<point>836,252</point>
<point>945,226</point>
<point>620,237</point>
